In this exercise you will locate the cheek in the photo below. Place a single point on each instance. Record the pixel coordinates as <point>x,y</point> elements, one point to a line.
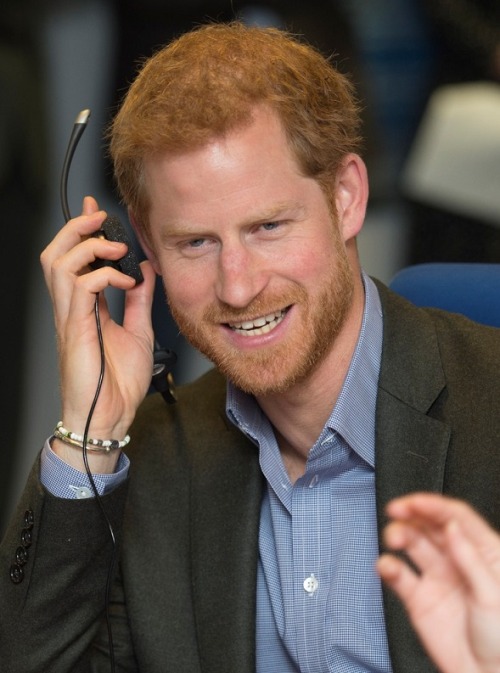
<point>315,254</point>
<point>308,265</point>
<point>187,288</point>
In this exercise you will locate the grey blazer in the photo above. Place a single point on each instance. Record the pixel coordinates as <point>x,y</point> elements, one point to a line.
<point>183,600</point>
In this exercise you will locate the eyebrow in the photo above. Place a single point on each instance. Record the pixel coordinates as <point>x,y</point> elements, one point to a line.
<point>178,229</point>
<point>278,210</point>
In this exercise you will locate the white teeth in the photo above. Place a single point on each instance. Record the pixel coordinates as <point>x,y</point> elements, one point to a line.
<point>261,325</point>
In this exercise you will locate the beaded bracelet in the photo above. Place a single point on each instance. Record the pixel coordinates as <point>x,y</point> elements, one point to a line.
<point>73,439</point>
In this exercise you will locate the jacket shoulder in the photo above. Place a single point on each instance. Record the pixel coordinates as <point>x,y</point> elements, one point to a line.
<point>423,339</point>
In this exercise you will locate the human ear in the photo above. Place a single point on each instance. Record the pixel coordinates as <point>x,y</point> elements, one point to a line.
<point>144,242</point>
<point>351,196</point>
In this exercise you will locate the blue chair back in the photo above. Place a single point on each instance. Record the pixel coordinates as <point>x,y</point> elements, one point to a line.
<point>471,289</point>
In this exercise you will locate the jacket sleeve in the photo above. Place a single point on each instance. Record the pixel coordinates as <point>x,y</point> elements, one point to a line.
<point>55,559</point>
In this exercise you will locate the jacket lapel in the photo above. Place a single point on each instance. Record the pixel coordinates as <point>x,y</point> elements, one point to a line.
<point>411,446</point>
<point>224,556</point>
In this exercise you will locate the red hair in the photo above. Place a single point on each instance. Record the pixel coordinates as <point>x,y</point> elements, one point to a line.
<point>206,84</point>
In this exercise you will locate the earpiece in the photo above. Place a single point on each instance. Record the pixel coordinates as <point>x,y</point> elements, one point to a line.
<point>163,381</point>
<point>113,230</point>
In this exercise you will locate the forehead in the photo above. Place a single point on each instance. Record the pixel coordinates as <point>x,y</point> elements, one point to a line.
<point>255,159</point>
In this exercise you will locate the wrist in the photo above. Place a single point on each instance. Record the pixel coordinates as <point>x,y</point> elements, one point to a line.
<point>98,464</point>
<point>79,451</point>
<point>89,443</point>
<point>99,428</point>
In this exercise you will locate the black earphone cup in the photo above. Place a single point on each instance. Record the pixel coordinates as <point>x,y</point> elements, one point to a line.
<point>113,230</point>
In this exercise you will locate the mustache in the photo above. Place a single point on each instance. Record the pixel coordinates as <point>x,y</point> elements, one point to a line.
<point>260,306</point>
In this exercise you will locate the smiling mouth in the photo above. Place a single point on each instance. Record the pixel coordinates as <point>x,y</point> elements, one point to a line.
<point>259,326</point>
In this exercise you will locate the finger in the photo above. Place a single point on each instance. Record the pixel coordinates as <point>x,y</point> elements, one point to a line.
<point>67,238</point>
<point>78,260</point>
<point>71,273</point>
<point>138,304</point>
<point>433,578</point>
<point>77,229</point>
<point>421,548</point>
<point>435,507</point>
<point>398,576</point>
<point>434,510</point>
<point>75,305</point>
<point>477,564</point>
<point>90,205</point>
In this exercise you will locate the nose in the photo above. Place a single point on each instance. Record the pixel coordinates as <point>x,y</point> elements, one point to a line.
<point>241,275</point>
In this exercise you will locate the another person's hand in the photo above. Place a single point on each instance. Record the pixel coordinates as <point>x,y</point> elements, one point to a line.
<point>454,601</point>
<point>73,288</point>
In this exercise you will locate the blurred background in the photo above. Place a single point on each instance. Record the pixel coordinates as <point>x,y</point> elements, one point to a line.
<point>427,72</point>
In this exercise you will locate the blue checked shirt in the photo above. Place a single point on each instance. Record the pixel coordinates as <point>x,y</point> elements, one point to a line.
<point>65,481</point>
<point>319,601</point>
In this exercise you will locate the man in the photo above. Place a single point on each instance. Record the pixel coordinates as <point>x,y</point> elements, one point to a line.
<point>248,529</point>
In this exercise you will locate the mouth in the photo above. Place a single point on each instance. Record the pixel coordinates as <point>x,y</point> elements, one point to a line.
<point>259,326</point>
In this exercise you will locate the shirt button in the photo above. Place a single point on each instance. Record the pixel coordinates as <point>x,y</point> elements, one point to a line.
<point>314,481</point>
<point>310,584</point>
<point>81,492</point>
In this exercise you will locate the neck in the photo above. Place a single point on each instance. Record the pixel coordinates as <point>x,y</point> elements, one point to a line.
<point>299,415</point>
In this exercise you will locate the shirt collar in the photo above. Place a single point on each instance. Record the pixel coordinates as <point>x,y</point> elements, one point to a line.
<point>353,416</point>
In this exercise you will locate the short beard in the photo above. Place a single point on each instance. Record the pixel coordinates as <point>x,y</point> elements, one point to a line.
<point>275,370</point>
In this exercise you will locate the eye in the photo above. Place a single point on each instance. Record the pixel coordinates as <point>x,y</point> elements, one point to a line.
<point>194,247</point>
<point>270,226</point>
<point>195,243</point>
<point>273,229</point>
